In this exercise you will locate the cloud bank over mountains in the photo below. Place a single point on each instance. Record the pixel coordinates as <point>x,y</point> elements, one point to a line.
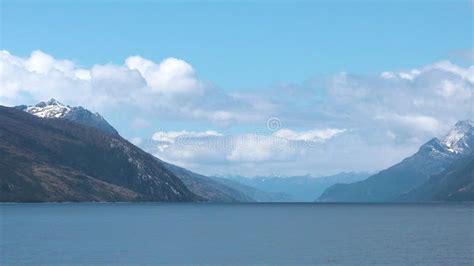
<point>327,123</point>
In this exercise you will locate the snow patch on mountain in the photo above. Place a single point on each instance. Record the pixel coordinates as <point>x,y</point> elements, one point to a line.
<point>460,139</point>
<point>50,109</point>
<point>56,110</point>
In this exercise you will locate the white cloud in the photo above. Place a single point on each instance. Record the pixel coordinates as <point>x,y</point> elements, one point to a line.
<point>43,63</point>
<point>260,148</point>
<point>171,76</point>
<point>83,74</point>
<point>171,136</point>
<point>310,135</point>
<point>410,75</point>
<point>465,73</point>
<point>450,89</point>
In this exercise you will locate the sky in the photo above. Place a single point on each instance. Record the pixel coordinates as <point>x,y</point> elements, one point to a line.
<point>250,87</point>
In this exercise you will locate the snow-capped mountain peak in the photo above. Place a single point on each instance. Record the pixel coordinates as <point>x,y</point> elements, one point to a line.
<point>49,109</point>
<point>55,109</point>
<point>458,142</point>
<point>461,138</point>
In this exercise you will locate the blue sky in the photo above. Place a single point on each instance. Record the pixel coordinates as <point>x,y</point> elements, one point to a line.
<point>345,77</point>
<point>244,44</point>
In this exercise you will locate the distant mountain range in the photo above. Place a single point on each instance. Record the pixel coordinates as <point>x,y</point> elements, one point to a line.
<point>440,170</point>
<point>297,188</point>
<point>256,194</point>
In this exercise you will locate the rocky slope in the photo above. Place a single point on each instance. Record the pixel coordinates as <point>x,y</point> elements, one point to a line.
<point>44,160</point>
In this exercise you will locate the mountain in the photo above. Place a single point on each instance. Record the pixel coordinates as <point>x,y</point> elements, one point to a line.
<point>55,109</point>
<point>455,183</point>
<point>43,160</point>
<point>209,188</point>
<point>254,193</point>
<point>431,159</point>
<point>198,184</point>
<point>297,188</point>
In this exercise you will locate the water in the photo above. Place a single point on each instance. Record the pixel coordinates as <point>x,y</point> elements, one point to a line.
<point>288,234</point>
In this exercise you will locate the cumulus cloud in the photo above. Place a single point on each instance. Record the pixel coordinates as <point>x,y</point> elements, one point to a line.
<point>171,76</point>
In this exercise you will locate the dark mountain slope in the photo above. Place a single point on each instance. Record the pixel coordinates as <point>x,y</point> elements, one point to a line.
<point>58,160</point>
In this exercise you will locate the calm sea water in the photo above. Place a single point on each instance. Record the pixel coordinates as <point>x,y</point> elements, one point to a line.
<point>287,234</point>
